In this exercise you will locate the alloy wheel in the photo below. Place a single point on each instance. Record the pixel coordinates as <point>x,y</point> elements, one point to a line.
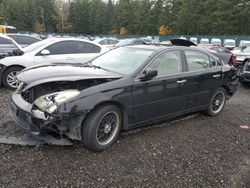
<point>12,79</point>
<point>218,102</point>
<point>107,128</point>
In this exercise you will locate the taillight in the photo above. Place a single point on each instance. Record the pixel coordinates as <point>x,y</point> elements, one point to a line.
<point>234,60</point>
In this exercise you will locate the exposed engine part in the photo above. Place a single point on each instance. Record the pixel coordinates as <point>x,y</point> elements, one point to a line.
<point>33,93</point>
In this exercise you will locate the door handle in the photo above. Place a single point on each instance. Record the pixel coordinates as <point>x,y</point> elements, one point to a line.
<point>69,58</point>
<point>181,81</point>
<point>216,75</point>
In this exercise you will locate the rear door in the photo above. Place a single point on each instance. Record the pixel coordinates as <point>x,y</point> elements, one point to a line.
<point>163,95</point>
<point>204,76</point>
<point>62,52</point>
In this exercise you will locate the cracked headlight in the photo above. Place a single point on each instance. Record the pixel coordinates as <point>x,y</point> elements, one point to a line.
<point>50,102</point>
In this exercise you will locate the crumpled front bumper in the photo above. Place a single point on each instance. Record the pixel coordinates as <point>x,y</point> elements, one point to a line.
<point>21,113</point>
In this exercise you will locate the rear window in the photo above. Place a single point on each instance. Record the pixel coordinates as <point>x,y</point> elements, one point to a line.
<point>4,41</point>
<point>24,39</point>
<point>85,47</point>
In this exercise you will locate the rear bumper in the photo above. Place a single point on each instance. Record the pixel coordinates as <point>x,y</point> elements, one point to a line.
<point>233,86</point>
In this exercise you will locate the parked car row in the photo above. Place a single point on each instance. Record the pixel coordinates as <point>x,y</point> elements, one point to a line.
<point>50,50</point>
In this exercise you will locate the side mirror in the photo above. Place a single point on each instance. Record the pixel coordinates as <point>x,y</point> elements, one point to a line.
<point>148,75</point>
<point>45,52</point>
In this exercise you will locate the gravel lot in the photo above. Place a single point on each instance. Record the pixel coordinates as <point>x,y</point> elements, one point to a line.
<point>198,151</point>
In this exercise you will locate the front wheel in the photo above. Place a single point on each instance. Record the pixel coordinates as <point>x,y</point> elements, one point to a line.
<point>102,127</point>
<point>217,102</point>
<point>10,80</point>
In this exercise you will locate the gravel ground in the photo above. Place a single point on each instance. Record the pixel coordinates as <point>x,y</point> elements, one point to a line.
<point>198,151</point>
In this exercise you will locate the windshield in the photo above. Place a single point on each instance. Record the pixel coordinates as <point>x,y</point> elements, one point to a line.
<point>123,60</point>
<point>246,50</point>
<point>35,46</point>
<point>230,44</point>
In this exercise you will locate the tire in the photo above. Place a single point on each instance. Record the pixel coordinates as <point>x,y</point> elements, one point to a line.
<point>9,77</point>
<point>101,128</point>
<point>217,102</point>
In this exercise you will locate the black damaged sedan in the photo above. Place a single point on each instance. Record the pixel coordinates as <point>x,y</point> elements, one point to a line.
<point>120,90</point>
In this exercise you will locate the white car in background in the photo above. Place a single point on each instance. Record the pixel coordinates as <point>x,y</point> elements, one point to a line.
<point>52,50</point>
<point>106,41</point>
<point>244,43</point>
<point>229,44</point>
<point>216,41</point>
<point>242,54</point>
<point>194,40</point>
<point>204,41</point>
<point>7,44</point>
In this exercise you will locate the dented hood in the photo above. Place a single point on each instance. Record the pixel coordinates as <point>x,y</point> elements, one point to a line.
<point>62,72</point>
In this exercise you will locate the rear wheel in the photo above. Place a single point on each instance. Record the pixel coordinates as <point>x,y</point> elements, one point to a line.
<point>102,127</point>
<point>217,102</point>
<point>10,80</point>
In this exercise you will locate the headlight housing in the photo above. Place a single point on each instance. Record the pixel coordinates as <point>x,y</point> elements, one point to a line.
<point>50,102</point>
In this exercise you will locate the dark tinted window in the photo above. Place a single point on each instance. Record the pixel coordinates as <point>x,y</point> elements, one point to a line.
<point>138,42</point>
<point>85,47</point>
<point>66,47</point>
<point>4,41</point>
<point>198,61</point>
<point>26,40</point>
<point>104,42</point>
<point>167,63</point>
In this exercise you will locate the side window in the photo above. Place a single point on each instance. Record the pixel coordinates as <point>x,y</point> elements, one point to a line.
<point>167,63</point>
<point>198,61</point>
<point>85,47</point>
<point>66,47</point>
<point>27,40</point>
<point>4,41</point>
<point>6,45</point>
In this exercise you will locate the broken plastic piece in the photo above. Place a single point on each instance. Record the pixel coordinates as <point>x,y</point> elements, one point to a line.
<point>244,127</point>
<point>24,141</point>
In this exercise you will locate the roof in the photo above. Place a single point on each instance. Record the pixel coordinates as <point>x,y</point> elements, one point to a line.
<point>148,47</point>
<point>18,34</point>
<point>59,39</point>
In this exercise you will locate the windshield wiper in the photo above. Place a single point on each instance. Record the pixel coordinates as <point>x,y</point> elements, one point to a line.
<point>99,67</point>
<point>87,64</point>
<point>90,64</point>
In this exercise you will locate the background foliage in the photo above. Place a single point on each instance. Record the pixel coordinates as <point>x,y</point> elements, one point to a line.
<point>146,17</point>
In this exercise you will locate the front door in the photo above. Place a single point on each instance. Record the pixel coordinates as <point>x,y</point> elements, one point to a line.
<point>163,95</point>
<point>60,52</point>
